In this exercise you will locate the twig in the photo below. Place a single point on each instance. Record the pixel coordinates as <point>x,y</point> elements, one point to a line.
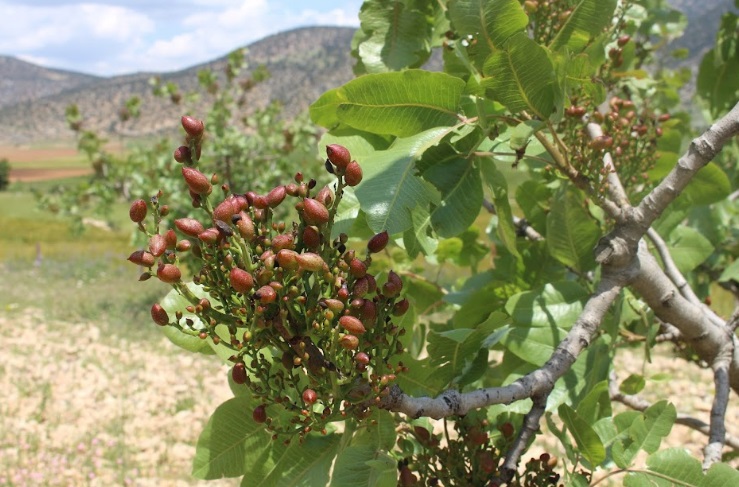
<point>638,403</point>
<point>677,278</point>
<point>524,229</point>
<point>615,188</point>
<point>669,333</point>
<point>717,435</point>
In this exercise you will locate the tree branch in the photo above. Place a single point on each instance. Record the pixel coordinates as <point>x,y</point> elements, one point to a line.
<point>677,278</point>
<point>670,306</point>
<point>701,151</point>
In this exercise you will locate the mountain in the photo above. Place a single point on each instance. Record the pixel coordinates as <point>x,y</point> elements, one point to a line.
<point>303,63</point>
<point>703,22</point>
<point>21,81</point>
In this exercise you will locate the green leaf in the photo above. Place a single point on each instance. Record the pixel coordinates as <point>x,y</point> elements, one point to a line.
<point>323,111</point>
<point>557,304</point>
<point>596,404</point>
<point>454,352</point>
<point>366,461</point>
<point>346,215</point>
<point>172,303</point>
<point>522,77</point>
<point>490,23</point>
<point>716,81</point>
<point>390,190</point>
<point>730,273</point>
<point>710,185</point>
<point>689,248</point>
<point>496,181</point>
<point>580,74</point>
<point>534,345</point>
<point>421,379</point>
<point>458,180</point>
<point>363,465</point>
<point>633,384</point>
<point>419,237</point>
<point>305,463</point>
<point>645,432</point>
<point>533,199</point>
<point>232,443</point>
<point>523,132</point>
<point>395,37</point>
<point>400,104</point>
<point>571,232</point>
<point>587,20</point>
<point>675,466</point>
<point>588,442</point>
<point>670,467</point>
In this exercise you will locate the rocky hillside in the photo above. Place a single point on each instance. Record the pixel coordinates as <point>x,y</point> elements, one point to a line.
<point>21,81</point>
<point>303,63</point>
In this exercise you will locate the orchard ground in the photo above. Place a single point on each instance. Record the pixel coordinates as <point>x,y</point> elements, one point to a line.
<point>94,395</point>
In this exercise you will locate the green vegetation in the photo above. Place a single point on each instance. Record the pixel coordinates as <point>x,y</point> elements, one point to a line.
<point>4,174</point>
<point>374,334</point>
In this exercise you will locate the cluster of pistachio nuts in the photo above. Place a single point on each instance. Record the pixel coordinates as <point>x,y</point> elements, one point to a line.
<point>308,327</point>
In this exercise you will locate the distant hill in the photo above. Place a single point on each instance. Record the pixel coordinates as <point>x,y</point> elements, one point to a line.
<point>303,63</point>
<point>704,17</point>
<point>21,81</point>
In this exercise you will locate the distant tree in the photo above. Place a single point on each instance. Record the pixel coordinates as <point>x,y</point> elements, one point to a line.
<point>4,174</point>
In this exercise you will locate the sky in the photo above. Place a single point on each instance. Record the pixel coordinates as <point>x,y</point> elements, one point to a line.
<point>110,37</point>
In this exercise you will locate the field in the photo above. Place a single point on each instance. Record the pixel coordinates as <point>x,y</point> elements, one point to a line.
<point>94,395</point>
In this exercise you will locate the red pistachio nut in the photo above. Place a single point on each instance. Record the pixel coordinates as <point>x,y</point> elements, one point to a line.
<point>310,262</point>
<point>266,294</point>
<point>193,126</point>
<point>361,358</point>
<point>168,273</point>
<point>334,305</point>
<point>310,396</point>
<point>260,414</point>
<point>137,212</point>
<point>157,245</point>
<point>393,286</point>
<point>241,280</point>
<point>142,258</point>
<point>246,227</point>
<point>182,154</point>
<point>183,246</point>
<point>325,196</point>
<point>159,315</point>
<point>189,226</point>
<point>357,268</point>
<point>282,241</point>
<point>225,210</point>
<point>209,235</point>
<point>338,155</point>
<point>349,342</point>
<point>311,238</point>
<point>276,196</point>
<point>196,181</point>
<point>238,373</point>
<point>353,175</point>
<point>314,212</point>
<point>288,259</point>
<point>352,325</point>
<point>401,307</point>
<point>378,242</point>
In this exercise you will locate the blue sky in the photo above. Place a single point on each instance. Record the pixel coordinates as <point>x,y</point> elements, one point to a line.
<point>109,37</point>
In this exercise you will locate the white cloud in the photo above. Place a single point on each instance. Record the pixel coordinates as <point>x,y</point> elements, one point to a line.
<point>114,37</point>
